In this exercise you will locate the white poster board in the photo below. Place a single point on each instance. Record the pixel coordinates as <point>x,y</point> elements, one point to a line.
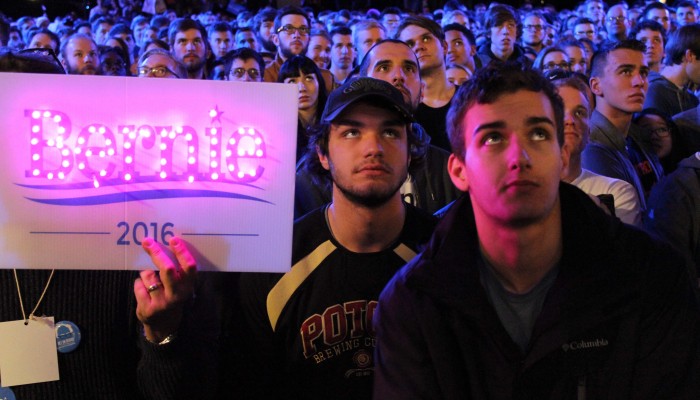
<point>94,164</point>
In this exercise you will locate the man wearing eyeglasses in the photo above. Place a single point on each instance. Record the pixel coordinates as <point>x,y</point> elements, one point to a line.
<point>533,31</point>
<point>158,63</point>
<point>585,28</point>
<point>188,45</point>
<point>79,55</point>
<point>616,23</point>
<point>245,65</point>
<point>291,36</point>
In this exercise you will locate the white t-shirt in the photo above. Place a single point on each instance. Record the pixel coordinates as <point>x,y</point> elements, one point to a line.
<point>627,206</point>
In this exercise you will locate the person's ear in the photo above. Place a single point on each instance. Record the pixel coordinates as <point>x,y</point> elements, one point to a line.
<point>596,86</point>
<point>689,56</point>
<point>323,159</point>
<point>458,174</point>
<point>565,157</point>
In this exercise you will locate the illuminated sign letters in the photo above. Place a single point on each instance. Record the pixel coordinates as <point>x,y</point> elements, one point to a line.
<point>99,163</point>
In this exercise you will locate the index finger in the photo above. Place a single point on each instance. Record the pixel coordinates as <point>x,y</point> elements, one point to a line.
<point>159,256</point>
<point>187,262</point>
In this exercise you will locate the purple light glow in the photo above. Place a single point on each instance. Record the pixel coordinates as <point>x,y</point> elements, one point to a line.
<point>53,153</point>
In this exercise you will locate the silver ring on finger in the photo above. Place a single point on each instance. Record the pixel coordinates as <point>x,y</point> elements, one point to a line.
<point>154,287</point>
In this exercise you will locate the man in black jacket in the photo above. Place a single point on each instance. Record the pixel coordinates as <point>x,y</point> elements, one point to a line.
<point>527,289</point>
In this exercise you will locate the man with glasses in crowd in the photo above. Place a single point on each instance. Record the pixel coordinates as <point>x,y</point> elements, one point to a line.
<point>585,28</point>
<point>390,18</point>
<point>616,23</point>
<point>158,63</point>
<point>245,65</point>
<point>534,26</point>
<point>291,37</point>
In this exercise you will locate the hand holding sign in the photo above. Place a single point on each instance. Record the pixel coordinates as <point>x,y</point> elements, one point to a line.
<point>160,300</point>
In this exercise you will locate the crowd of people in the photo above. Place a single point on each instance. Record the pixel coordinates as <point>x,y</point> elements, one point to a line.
<point>538,170</point>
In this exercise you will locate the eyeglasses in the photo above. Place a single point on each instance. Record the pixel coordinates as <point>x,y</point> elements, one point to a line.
<point>661,131</point>
<point>46,53</point>
<point>533,27</point>
<point>562,65</point>
<point>619,18</point>
<point>290,29</point>
<point>158,72</point>
<point>253,73</point>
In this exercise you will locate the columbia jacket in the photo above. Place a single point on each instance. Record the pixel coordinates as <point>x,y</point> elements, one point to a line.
<point>619,322</point>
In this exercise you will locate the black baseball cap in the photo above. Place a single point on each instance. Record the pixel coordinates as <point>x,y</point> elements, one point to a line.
<point>361,88</point>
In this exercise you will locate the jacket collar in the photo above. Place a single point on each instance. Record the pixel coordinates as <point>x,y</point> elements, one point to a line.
<point>602,130</point>
<point>447,271</point>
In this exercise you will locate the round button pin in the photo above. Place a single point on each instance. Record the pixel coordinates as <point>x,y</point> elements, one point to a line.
<point>7,394</point>
<point>67,336</point>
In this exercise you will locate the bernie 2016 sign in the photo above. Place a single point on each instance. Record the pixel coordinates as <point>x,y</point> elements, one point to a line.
<point>95,164</point>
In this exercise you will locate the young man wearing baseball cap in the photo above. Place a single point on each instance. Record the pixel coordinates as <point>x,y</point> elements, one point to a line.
<point>311,327</point>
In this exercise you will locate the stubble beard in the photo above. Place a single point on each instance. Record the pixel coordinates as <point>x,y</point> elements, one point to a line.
<point>369,198</point>
<point>194,66</point>
<point>268,45</point>
<point>287,52</point>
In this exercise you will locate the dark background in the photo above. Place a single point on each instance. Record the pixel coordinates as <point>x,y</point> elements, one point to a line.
<point>18,8</point>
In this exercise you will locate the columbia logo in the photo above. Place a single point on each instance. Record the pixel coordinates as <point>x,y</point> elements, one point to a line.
<point>584,344</point>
